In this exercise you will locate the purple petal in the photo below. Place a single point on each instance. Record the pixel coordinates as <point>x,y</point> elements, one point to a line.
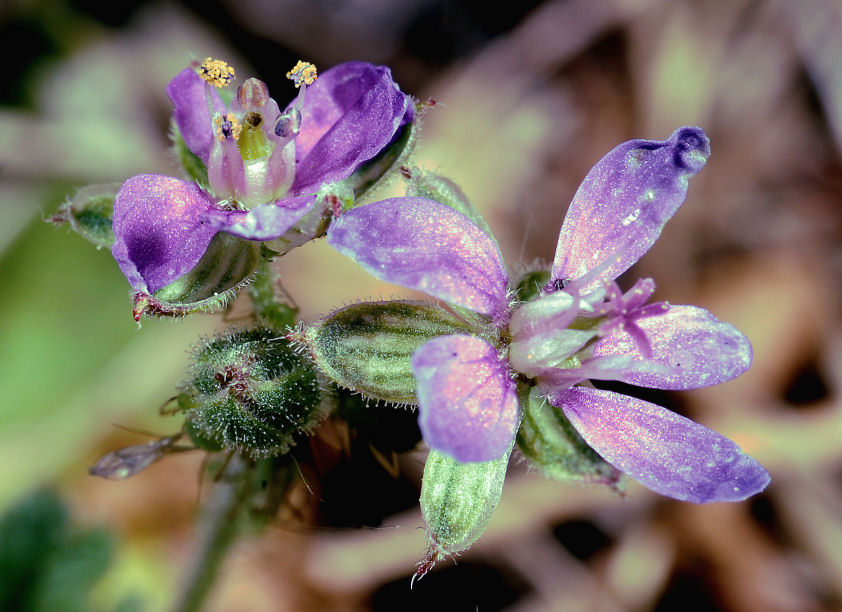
<point>192,116</point>
<point>158,229</point>
<point>349,115</point>
<point>264,222</point>
<point>666,452</point>
<point>624,202</point>
<point>468,405</point>
<point>697,349</point>
<point>425,245</point>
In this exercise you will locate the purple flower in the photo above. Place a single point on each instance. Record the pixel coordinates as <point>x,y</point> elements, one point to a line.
<point>580,327</point>
<point>264,166</point>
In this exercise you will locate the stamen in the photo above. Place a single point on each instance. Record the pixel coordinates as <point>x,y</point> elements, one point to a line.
<point>227,127</point>
<point>216,72</point>
<point>303,73</point>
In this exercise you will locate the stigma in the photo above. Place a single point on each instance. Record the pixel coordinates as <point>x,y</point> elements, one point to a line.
<point>216,72</point>
<point>303,73</point>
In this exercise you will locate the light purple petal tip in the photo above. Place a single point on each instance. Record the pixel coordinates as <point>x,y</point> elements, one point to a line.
<point>666,452</point>
<point>622,205</point>
<point>468,405</point>
<point>192,116</point>
<point>159,229</point>
<point>264,222</point>
<point>350,114</point>
<point>425,245</point>
<point>697,349</point>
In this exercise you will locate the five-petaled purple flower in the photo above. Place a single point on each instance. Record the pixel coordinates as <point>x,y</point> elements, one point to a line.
<point>580,327</point>
<point>264,166</point>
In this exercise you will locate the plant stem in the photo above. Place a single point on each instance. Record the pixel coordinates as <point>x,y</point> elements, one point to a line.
<point>218,527</point>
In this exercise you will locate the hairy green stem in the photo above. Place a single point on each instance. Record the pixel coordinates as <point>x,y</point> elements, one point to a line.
<point>217,530</point>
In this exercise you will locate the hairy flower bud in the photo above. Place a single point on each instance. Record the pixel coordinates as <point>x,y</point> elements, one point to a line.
<point>367,347</point>
<point>457,500</point>
<point>250,391</point>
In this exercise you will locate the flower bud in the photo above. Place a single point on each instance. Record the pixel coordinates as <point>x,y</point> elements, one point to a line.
<point>367,347</point>
<point>551,444</point>
<point>251,392</point>
<point>457,500</point>
<point>89,214</point>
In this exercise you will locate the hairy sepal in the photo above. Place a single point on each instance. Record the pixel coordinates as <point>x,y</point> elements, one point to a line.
<point>551,444</point>
<point>89,213</point>
<point>367,347</point>
<point>226,266</point>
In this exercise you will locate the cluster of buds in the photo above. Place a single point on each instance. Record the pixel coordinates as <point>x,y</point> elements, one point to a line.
<point>495,365</point>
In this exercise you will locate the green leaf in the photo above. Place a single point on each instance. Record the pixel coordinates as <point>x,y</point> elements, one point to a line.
<point>73,571</point>
<point>367,347</point>
<point>28,532</point>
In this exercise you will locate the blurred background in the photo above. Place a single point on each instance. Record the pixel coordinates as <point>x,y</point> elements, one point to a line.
<point>529,99</point>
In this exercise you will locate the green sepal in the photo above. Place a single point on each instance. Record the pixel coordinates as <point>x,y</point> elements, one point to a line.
<point>457,501</point>
<point>226,266</point>
<point>89,213</point>
<point>269,308</point>
<point>552,445</point>
<point>250,391</point>
<point>432,186</point>
<point>194,167</point>
<point>200,438</point>
<point>377,171</point>
<point>530,285</point>
<point>367,347</point>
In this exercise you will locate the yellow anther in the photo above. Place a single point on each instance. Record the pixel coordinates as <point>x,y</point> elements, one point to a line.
<point>303,73</point>
<point>228,126</point>
<point>216,72</point>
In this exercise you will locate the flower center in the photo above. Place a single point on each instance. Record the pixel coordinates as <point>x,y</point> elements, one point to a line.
<point>216,72</point>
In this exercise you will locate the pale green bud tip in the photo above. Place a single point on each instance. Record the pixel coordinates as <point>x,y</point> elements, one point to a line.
<point>457,501</point>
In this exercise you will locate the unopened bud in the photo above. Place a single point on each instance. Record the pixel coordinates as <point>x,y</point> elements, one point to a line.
<point>367,347</point>
<point>457,500</point>
<point>251,392</point>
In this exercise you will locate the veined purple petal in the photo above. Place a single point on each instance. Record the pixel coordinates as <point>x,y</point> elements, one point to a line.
<point>192,116</point>
<point>468,405</point>
<point>622,205</point>
<point>666,452</point>
<point>425,245</point>
<point>698,350</point>
<point>349,115</point>
<point>158,229</point>
<point>264,222</point>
